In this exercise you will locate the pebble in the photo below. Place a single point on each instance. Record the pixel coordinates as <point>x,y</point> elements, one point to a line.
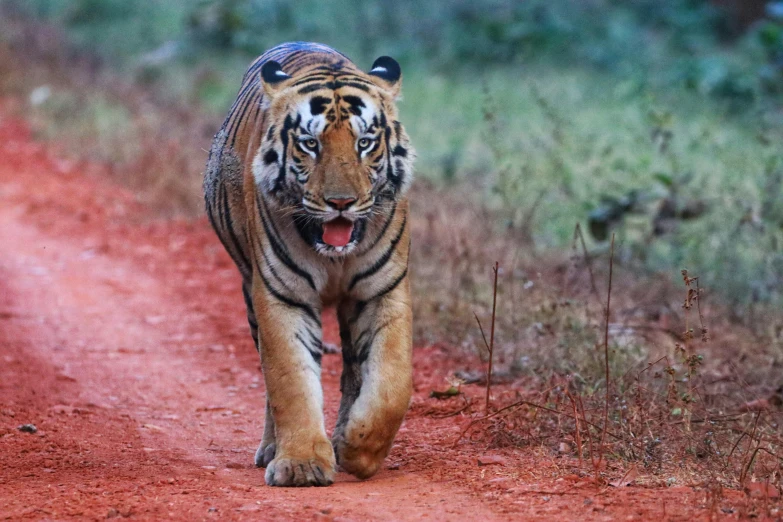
<point>27,428</point>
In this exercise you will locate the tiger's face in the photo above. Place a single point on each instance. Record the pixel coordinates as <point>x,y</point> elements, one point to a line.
<point>335,154</point>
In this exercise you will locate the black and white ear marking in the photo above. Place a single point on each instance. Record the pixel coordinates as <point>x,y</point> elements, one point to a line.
<point>272,72</point>
<point>387,69</point>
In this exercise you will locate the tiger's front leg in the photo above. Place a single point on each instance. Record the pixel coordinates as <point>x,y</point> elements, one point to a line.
<point>290,344</point>
<point>376,380</point>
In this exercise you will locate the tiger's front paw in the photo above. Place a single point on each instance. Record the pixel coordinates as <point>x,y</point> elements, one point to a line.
<point>283,471</point>
<point>265,454</point>
<point>361,455</point>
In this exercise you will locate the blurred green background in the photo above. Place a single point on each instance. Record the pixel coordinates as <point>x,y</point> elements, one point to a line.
<point>659,120</point>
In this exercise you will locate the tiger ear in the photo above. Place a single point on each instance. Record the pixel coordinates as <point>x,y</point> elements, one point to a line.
<point>387,74</point>
<point>273,77</point>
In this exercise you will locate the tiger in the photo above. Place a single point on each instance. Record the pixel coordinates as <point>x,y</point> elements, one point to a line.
<point>306,187</point>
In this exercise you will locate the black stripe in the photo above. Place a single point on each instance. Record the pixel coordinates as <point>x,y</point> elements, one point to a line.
<point>236,123</point>
<point>289,124</point>
<point>323,69</point>
<point>229,225</point>
<point>390,174</point>
<point>290,302</point>
<point>361,306</point>
<point>316,341</point>
<point>355,104</point>
<point>246,295</point>
<point>262,208</point>
<point>270,157</point>
<point>258,110</point>
<point>249,305</point>
<point>218,227</point>
<point>291,57</point>
<point>208,205</point>
<point>356,85</point>
<point>401,151</point>
<point>351,77</point>
<point>318,105</point>
<point>281,253</point>
<point>385,228</point>
<point>308,79</point>
<point>273,271</point>
<point>382,260</point>
<point>312,88</point>
<point>391,286</point>
<point>316,354</point>
<point>361,348</point>
<point>333,85</point>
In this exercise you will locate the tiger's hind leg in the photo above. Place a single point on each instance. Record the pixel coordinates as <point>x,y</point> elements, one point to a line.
<point>266,450</point>
<point>376,379</point>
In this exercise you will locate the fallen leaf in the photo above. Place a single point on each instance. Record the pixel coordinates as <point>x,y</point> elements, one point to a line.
<point>489,460</point>
<point>630,476</point>
<point>451,392</point>
<point>761,490</point>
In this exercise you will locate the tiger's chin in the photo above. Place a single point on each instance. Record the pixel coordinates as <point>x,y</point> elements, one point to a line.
<point>335,251</point>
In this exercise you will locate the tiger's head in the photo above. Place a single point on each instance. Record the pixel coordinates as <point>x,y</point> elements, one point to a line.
<point>334,154</point>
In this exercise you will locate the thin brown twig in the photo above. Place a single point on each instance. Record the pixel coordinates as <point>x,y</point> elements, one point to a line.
<point>750,443</point>
<point>742,436</point>
<point>492,336</point>
<point>746,469</point>
<point>589,437</point>
<point>452,413</point>
<point>704,335</point>
<point>588,260</point>
<point>732,417</point>
<point>481,329</point>
<point>522,402</point>
<point>607,311</point>
<point>485,417</point>
<point>577,434</point>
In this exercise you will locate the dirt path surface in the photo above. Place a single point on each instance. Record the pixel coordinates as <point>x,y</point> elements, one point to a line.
<point>124,341</point>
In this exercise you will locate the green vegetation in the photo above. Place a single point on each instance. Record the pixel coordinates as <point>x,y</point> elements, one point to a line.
<point>658,120</point>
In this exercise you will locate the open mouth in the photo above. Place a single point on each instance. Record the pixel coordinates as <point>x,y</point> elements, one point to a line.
<point>337,232</point>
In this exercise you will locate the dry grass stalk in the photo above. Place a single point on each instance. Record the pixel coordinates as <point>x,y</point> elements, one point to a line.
<point>607,311</point>
<point>491,344</point>
<point>492,335</point>
<point>588,261</point>
<point>577,434</point>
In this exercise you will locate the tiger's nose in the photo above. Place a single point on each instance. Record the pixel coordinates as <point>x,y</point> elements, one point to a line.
<point>341,202</point>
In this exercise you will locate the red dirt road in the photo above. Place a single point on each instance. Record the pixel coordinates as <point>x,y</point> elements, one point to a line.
<point>124,341</point>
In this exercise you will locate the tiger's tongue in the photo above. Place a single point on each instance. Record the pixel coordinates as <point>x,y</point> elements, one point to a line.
<point>337,232</point>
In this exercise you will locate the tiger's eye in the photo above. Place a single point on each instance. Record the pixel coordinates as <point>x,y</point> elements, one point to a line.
<point>364,143</point>
<point>311,143</point>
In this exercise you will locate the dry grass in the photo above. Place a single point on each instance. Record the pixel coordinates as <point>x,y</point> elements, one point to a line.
<point>681,408</point>
<point>677,410</point>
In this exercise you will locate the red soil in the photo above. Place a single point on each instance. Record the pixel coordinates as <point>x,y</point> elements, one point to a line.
<point>124,341</point>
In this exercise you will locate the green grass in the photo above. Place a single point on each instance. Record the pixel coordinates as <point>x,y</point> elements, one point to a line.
<point>574,138</point>
<point>547,134</point>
